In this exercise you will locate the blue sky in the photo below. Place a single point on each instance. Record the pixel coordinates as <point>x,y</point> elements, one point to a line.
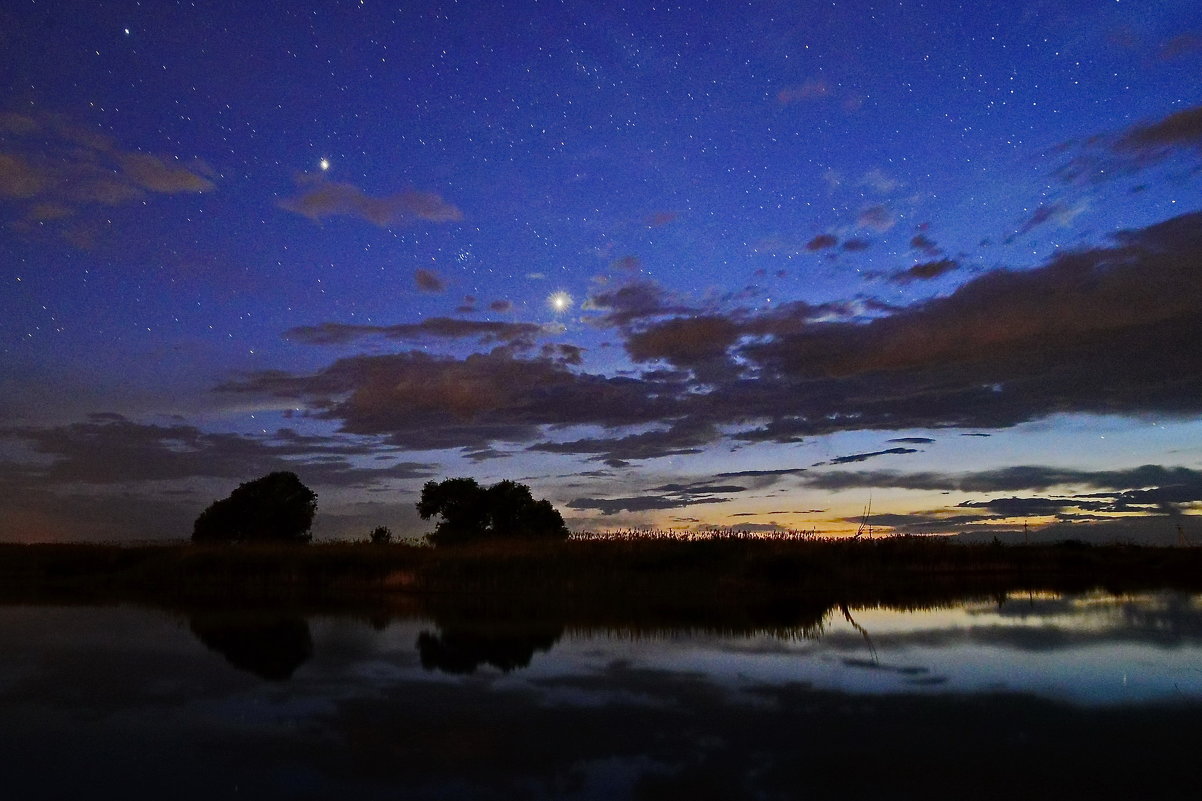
<point>941,257</point>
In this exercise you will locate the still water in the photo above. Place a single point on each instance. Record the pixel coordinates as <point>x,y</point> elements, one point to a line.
<point>1042,696</point>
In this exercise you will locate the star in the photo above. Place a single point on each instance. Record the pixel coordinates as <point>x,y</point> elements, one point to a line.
<point>560,301</point>
<point>324,164</point>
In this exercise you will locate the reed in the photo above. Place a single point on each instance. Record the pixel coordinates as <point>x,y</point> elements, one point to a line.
<point>623,568</point>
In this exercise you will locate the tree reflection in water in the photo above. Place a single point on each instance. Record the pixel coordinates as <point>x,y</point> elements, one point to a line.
<point>463,651</point>
<point>271,646</point>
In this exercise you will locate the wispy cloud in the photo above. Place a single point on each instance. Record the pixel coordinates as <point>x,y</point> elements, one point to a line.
<point>55,170</point>
<point>321,199</point>
<point>429,281</point>
<point>431,328</point>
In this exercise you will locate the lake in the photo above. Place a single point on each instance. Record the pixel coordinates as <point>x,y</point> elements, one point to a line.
<point>1036,695</point>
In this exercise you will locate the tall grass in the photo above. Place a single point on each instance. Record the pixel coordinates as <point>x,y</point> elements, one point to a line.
<point>619,569</point>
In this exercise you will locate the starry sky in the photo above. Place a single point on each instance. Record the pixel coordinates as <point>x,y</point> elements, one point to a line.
<point>680,265</point>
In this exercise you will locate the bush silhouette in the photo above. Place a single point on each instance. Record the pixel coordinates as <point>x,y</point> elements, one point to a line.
<point>380,535</point>
<point>274,508</point>
<point>469,512</point>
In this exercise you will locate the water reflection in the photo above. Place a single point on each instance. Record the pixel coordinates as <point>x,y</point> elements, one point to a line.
<point>464,650</point>
<point>271,646</point>
<point>1056,696</point>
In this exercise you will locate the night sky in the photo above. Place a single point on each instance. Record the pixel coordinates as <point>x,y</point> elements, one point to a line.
<point>750,265</point>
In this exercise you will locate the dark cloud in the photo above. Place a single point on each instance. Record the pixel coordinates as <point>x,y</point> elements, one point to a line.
<point>700,488</point>
<point>1021,507</point>
<point>422,401</point>
<point>863,457</point>
<point>110,449</point>
<point>1115,330</point>
<point>925,271</point>
<point>1180,129</point>
<point>1103,158</point>
<point>852,245</point>
<point>1040,216</point>
<point>685,341</point>
<point>681,439</point>
<point>1181,45</point>
<point>912,440</point>
<point>321,199</point>
<point>1110,329</point>
<point>925,244</point>
<point>1149,488</point>
<point>641,503</point>
<point>822,242</point>
<point>429,281</point>
<point>501,306</point>
<point>788,471</point>
<point>631,303</point>
<point>430,328</point>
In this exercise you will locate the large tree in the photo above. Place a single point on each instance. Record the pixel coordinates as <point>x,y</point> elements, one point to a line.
<point>274,508</point>
<point>471,512</point>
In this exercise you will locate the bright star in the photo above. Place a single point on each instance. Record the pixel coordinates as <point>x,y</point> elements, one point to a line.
<point>560,301</point>
<point>324,164</point>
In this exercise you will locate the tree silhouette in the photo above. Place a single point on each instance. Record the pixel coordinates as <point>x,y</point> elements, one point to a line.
<point>506,510</point>
<point>274,508</point>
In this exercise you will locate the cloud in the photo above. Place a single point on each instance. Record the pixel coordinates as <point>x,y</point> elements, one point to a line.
<point>880,182</point>
<point>912,440</point>
<point>683,438</point>
<point>429,281</point>
<point>1181,45</point>
<point>684,340</point>
<point>1180,129</point>
<point>322,199</point>
<point>661,218</point>
<point>821,242</point>
<point>812,89</point>
<point>501,306</point>
<point>1021,507</point>
<point>432,327</point>
<point>925,244</point>
<point>788,471</point>
<point>877,217</point>
<point>1108,329</point>
<point>925,271</point>
<point>640,503</point>
<point>159,175</point>
<point>422,401</point>
<point>630,303</point>
<point>862,457</point>
<point>1113,329</point>
<point>1104,158</point>
<point>111,449</point>
<point>1145,485</point>
<point>55,170</point>
<point>855,245</point>
<point>18,178</point>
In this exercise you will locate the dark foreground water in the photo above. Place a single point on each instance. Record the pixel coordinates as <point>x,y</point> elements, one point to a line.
<point>1031,697</point>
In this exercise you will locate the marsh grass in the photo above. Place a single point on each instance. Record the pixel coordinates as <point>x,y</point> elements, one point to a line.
<point>635,585</point>
<point>621,570</point>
